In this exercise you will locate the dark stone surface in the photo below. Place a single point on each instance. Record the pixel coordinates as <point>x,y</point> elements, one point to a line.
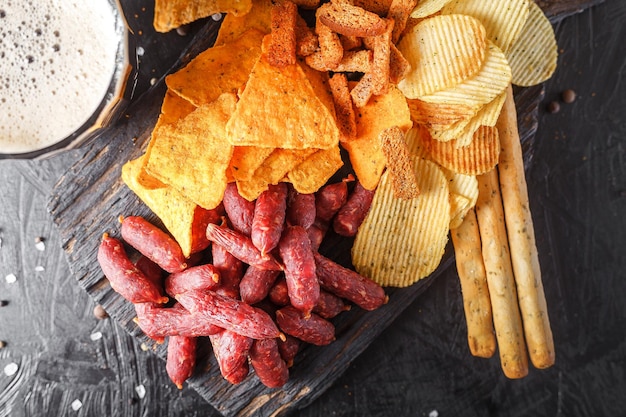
<point>418,366</point>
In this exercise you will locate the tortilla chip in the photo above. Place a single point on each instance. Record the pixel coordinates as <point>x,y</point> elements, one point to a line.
<point>273,169</point>
<point>233,26</point>
<point>381,112</point>
<point>316,170</point>
<point>185,220</point>
<point>246,160</point>
<point>170,14</point>
<point>173,109</point>
<point>221,69</point>
<point>193,155</point>
<point>280,108</point>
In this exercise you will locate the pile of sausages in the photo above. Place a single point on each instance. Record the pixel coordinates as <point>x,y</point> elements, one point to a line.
<point>258,293</point>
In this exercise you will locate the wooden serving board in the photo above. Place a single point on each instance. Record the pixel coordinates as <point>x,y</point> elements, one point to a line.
<point>90,196</point>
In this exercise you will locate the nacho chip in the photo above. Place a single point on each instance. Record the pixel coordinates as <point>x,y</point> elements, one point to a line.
<point>280,108</point>
<point>273,169</point>
<point>246,160</point>
<point>221,69</point>
<point>173,109</point>
<point>310,175</point>
<point>193,155</point>
<point>443,51</point>
<point>185,220</point>
<point>382,112</point>
<point>170,14</point>
<point>403,241</point>
<point>233,26</point>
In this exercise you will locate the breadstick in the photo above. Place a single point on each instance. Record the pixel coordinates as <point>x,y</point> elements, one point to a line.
<point>476,302</point>
<point>519,225</point>
<point>506,315</point>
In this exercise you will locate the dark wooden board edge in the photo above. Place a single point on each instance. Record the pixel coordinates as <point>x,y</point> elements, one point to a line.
<point>92,188</point>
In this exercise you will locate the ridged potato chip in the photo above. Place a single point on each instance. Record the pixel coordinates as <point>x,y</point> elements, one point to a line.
<point>426,8</point>
<point>437,116</point>
<point>403,241</point>
<point>503,19</point>
<point>533,56</point>
<point>480,156</point>
<point>463,131</point>
<point>490,81</point>
<point>463,196</point>
<point>443,51</point>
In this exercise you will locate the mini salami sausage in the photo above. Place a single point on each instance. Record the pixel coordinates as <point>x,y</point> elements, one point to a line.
<point>279,294</point>
<point>125,278</point>
<point>348,284</point>
<point>313,329</point>
<point>230,314</point>
<point>196,278</point>
<point>151,270</point>
<point>351,215</point>
<point>300,208</point>
<point>158,322</point>
<point>154,243</point>
<point>269,217</point>
<point>329,305</point>
<point>231,352</point>
<point>241,247</point>
<point>230,269</point>
<point>181,358</point>
<point>288,349</point>
<point>297,255</point>
<point>240,211</point>
<point>256,284</point>
<point>267,363</point>
<point>329,199</point>
<point>202,217</point>
<point>317,232</point>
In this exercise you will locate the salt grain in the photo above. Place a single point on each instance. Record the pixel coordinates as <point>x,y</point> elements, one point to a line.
<point>140,51</point>
<point>39,268</point>
<point>10,279</point>
<point>76,405</point>
<point>216,17</point>
<point>95,336</point>
<point>140,390</point>
<point>11,369</point>
<point>433,413</point>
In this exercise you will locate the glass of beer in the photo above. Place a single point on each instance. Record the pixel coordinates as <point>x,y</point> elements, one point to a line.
<point>64,67</point>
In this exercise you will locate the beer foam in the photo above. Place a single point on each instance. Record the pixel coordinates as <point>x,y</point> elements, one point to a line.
<point>57,60</point>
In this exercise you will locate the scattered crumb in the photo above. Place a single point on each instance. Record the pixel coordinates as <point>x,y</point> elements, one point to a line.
<point>141,391</point>
<point>11,369</point>
<point>76,404</point>
<point>10,279</point>
<point>95,336</point>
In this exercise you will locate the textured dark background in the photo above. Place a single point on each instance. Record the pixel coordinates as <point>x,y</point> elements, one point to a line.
<point>420,365</point>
